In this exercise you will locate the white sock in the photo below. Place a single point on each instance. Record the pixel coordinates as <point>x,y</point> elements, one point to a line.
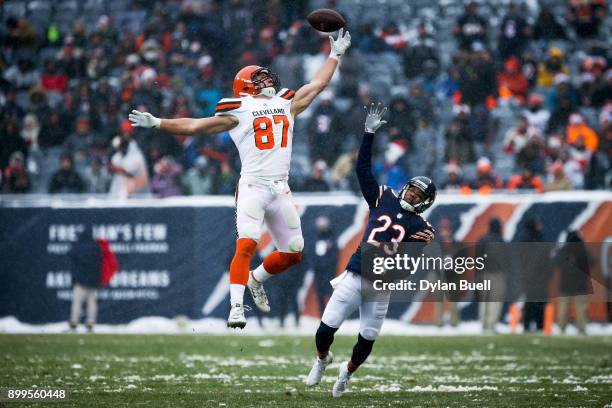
<point>236,293</point>
<point>260,274</point>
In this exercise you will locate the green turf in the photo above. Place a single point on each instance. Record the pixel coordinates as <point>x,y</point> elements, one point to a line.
<point>240,371</point>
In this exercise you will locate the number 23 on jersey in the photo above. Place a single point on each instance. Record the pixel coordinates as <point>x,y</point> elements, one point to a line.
<point>264,131</point>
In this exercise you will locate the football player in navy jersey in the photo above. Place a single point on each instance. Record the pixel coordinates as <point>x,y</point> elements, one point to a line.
<point>394,217</point>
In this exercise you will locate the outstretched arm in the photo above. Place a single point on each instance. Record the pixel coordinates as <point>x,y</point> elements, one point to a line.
<point>306,94</point>
<point>367,182</point>
<point>184,126</point>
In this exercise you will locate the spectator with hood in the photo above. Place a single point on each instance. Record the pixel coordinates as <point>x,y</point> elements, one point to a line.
<point>553,65</point>
<point>547,28</point>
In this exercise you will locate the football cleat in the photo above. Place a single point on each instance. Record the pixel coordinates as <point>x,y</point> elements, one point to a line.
<point>342,381</point>
<point>236,317</point>
<point>318,368</point>
<point>259,294</point>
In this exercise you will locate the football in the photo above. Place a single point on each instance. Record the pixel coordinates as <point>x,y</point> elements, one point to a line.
<point>326,20</point>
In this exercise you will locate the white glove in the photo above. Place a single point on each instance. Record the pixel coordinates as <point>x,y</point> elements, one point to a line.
<point>373,117</point>
<point>340,45</point>
<point>144,119</point>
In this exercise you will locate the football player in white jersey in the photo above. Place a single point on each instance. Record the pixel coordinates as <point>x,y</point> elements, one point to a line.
<point>260,121</point>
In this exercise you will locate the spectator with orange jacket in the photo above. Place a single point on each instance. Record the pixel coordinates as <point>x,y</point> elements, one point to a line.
<point>577,129</point>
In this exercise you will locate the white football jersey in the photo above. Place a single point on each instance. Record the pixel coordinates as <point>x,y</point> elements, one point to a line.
<point>264,135</point>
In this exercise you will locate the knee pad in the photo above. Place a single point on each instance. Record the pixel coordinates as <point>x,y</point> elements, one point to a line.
<point>369,333</point>
<point>296,244</point>
<point>245,247</point>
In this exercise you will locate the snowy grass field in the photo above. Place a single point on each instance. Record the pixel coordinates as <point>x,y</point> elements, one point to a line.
<point>257,371</point>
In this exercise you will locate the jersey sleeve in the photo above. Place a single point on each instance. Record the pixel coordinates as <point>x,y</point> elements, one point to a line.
<point>370,189</point>
<point>228,106</point>
<point>423,232</point>
<point>286,93</point>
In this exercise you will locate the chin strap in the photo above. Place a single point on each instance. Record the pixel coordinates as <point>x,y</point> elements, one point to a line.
<point>403,203</point>
<point>268,91</point>
<point>406,205</point>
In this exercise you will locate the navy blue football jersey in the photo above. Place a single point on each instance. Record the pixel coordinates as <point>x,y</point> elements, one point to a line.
<point>389,222</point>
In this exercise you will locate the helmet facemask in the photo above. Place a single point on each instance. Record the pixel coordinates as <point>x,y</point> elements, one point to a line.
<point>259,79</point>
<point>421,189</point>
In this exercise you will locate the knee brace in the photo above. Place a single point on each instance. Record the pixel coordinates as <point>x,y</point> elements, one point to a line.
<point>369,333</point>
<point>324,337</point>
<point>361,351</point>
<point>296,244</point>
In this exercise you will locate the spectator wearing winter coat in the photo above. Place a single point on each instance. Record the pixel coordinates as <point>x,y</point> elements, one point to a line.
<point>15,178</point>
<point>547,27</point>
<point>557,180</point>
<point>389,172</point>
<point>573,261</point>
<point>536,272</point>
<point>470,28</point>
<point>553,65</point>
<point>498,261</point>
<point>511,82</point>
<point>526,181</point>
<point>66,179</point>
<point>166,180</point>
<point>579,130</point>
<point>513,33</point>
<point>93,265</point>
<point>198,180</point>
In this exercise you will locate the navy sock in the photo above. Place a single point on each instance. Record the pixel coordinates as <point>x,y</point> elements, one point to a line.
<point>361,351</point>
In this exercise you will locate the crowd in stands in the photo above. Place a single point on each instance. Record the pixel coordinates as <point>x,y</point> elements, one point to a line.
<point>509,97</point>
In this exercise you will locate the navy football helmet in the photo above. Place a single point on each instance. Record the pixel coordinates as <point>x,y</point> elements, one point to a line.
<point>429,191</point>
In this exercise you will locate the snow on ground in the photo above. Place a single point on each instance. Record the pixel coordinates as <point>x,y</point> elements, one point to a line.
<point>268,327</point>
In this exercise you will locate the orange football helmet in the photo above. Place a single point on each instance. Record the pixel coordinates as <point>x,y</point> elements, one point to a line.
<point>250,80</point>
